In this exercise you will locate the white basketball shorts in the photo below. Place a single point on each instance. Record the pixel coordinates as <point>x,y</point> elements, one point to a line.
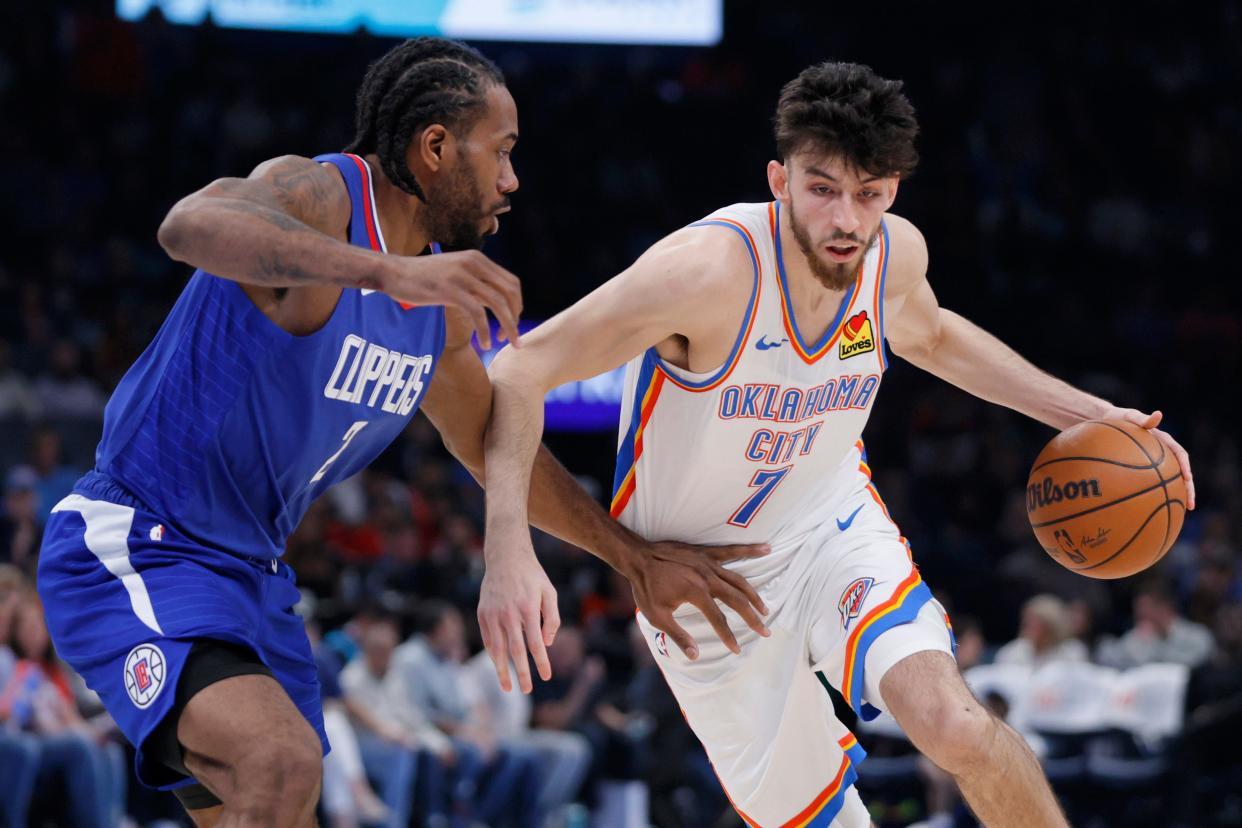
<point>844,607</point>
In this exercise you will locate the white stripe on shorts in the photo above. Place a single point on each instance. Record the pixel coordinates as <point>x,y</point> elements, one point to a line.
<point>107,536</point>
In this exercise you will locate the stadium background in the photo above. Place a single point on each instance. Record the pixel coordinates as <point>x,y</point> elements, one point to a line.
<point>1077,191</point>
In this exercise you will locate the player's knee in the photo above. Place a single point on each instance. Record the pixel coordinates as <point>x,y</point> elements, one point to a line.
<point>956,733</point>
<point>280,776</point>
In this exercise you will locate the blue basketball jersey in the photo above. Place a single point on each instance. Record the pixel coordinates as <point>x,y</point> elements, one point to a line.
<point>229,426</point>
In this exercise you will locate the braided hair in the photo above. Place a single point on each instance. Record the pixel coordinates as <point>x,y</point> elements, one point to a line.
<point>423,81</point>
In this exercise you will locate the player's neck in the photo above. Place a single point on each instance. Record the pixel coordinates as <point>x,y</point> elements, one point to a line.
<point>401,215</point>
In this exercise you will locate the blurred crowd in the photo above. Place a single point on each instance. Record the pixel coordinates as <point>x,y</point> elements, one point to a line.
<point>1075,193</point>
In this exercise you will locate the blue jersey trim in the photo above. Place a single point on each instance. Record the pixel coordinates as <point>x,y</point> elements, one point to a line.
<point>879,310</point>
<point>672,370</point>
<point>625,455</point>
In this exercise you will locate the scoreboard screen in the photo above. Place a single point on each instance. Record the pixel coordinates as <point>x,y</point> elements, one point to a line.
<point>670,22</point>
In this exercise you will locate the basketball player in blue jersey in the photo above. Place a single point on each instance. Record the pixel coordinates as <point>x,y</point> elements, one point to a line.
<point>310,332</point>
<point>756,347</point>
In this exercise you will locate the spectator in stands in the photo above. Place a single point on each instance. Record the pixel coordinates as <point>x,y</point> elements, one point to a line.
<point>20,532</point>
<point>55,478</point>
<point>645,715</point>
<point>1213,730</point>
<point>427,672</point>
<point>562,758</point>
<point>19,752</point>
<point>971,645</point>
<point>65,391</point>
<point>389,739</point>
<point>1159,634</point>
<point>74,757</point>
<point>348,798</point>
<point>18,401</point>
<point>570,701</point>
<point>1045,635</point>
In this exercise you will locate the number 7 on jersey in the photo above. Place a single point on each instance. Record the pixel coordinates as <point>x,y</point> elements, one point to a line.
<point>765,482</point>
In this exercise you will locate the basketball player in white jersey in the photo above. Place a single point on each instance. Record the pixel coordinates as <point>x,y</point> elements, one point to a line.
<point>756,347</point>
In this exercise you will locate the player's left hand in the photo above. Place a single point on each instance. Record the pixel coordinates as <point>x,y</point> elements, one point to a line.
<point>1149,422</point>
<point>517,611</point>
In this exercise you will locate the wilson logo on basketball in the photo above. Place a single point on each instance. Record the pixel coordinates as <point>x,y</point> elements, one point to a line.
<point>1047,492</point>
<point>852,600</point>
<point>856,336</point>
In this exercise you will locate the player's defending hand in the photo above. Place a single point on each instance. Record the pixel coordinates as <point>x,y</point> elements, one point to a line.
<point>517,610</point>
<point>666,575</point>
<point>1149,422</point>
<point>467,280</point>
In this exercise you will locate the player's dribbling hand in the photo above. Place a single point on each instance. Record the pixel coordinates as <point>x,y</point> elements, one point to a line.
<point>467,280</point>
<point>517,611</point>
<point>666,575</point>
<point>1149,422</point>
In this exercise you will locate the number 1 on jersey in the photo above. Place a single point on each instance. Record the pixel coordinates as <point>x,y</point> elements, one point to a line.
<point>349,435</point>
<point>766,480</point>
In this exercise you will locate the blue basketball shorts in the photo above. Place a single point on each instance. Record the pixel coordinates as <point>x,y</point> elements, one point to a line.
<point>126,595</point>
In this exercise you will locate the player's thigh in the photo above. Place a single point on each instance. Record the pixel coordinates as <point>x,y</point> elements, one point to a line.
<point>244,733</point>
<point>767,725</point>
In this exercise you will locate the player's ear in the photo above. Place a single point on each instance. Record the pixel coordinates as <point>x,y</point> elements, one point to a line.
<point>430,146</point>
<point>893,183</point>
<point>778,180</point>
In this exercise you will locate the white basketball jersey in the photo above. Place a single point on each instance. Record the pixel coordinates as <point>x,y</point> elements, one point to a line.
<point>764,448</point>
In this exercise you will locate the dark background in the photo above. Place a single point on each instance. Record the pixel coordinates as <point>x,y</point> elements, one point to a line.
<point>1077,193</point>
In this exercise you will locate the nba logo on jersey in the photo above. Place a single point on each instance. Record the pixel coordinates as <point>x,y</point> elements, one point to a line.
<point>144,674</point>
<point>852,600</point>
<point>856,336</point>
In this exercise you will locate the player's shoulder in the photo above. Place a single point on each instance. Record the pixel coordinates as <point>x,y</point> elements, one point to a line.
<point>907,250</point>
<point>313,191</point>
<point>902,232</point>
<point>714,253</point>
<point>697,261</point>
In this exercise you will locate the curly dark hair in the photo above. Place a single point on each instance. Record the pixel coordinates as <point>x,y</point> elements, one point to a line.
<point>847,110</point>
<point>423,81</point>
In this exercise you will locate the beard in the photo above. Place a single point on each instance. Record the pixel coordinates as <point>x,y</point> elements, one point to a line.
<point>457,220</point>
<point>830,274</point>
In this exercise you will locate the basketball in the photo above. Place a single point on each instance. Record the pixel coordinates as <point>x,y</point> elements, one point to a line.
<point>1106,499</point>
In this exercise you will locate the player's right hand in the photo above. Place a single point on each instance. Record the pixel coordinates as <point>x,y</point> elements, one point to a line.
<point>467,280</point>
<point>517,609</point>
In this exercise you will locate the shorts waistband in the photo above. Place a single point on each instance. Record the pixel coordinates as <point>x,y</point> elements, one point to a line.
<point>100,485</point>
<point>97,485</point>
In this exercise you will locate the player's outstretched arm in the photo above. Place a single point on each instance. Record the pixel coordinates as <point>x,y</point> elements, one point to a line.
<point>960,352</point>
<point>283,226</point>
<point>659,296</point>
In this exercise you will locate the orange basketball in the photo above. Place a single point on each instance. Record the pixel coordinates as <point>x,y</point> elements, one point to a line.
<point>1106,499</point>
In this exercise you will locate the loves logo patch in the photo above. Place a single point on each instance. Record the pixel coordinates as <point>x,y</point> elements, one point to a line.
<point>857,337</point>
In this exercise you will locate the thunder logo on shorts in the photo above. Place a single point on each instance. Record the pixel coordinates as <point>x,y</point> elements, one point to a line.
<point>850,605</point>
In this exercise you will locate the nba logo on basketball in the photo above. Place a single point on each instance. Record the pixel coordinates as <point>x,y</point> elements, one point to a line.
<point>856,336</point>
<point>852,600</point>
<point>144,674</point>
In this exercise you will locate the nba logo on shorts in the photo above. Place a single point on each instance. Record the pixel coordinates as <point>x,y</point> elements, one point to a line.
<point>852,600</point>
<point>661,642</point>
<point>144,674</point>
